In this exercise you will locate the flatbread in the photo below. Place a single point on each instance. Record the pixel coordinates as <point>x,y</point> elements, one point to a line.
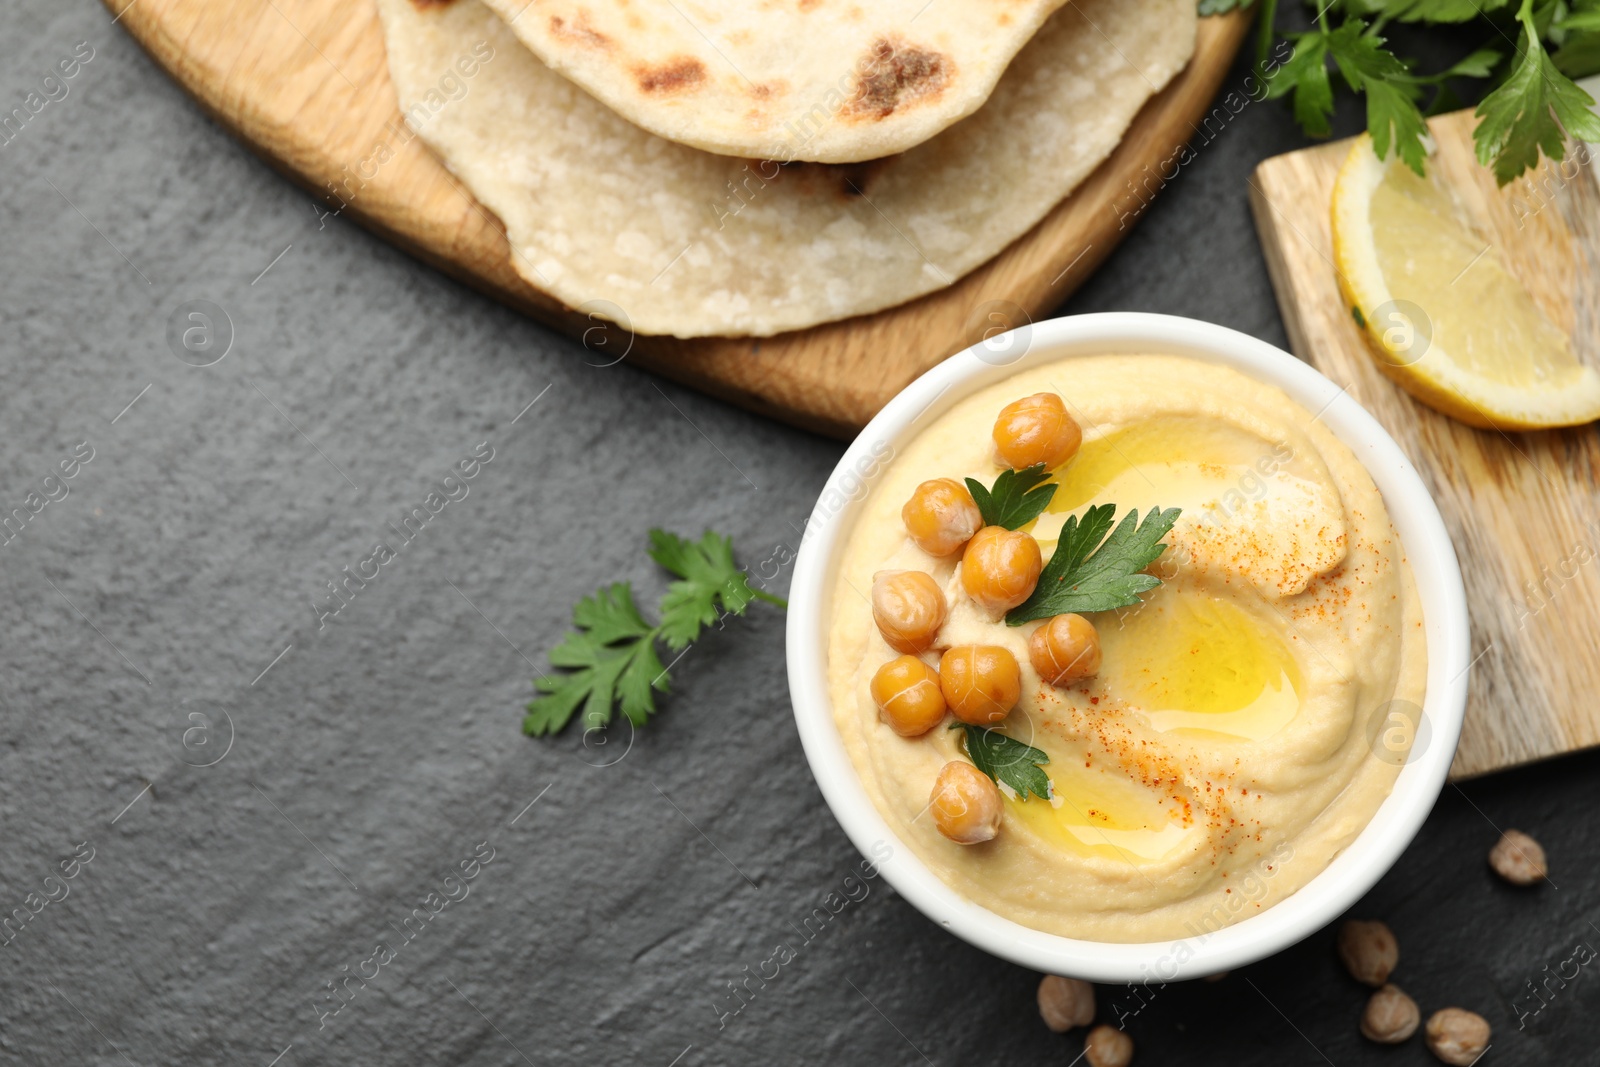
<point>830,81</point>
<point>671,240</point>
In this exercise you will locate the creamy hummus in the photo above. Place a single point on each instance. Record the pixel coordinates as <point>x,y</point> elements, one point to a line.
<point>1243,726</point>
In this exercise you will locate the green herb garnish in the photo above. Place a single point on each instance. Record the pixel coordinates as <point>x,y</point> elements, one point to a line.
<point>1016,499</point>
<point>1532,111</point>
<point>1007,760</point>
<point>611,659</point>
<point>1085,574</point>
<point>711,580</point>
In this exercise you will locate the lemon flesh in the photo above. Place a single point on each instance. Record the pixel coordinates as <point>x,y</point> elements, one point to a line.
<point>1447,319</point>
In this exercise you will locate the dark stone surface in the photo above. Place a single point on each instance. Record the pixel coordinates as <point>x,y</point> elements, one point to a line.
<point>383,748</point>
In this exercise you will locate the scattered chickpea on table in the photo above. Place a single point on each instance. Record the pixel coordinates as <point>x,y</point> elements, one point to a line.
<point>1519,859</point>
<point>1106,1046</point>
<point>1390,1016</point>
<point>1457,1036</point>
<point>1369,951</point>
<point>1065,1002</point>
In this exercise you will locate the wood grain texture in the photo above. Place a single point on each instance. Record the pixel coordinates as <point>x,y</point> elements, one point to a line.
<point>305,83</point>
<point>1523,508</point>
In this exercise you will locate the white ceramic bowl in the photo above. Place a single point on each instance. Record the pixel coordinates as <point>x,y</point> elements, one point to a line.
<point>1428,547</point>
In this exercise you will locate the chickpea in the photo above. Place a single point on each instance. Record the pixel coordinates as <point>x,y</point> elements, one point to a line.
<point>909,608</point>
<point>1390,1018</point>
<point>1457,1036</point>
<point>1065,649</point>
<point>1036,429</point>
<point>965,803</point>
<point>981,683</point>
<point>1000,568</point>
<point>1065,1002</point>
<point>941,516</point>
<point>1106,1046</point>
<point>907,693</point>
<point>1369,951</point>
<point>1519,859</point>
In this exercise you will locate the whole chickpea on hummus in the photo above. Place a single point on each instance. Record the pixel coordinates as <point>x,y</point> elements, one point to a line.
<point>1210,746</point>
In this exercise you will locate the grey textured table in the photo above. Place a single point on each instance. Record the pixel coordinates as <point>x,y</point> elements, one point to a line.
<point>264,791</point>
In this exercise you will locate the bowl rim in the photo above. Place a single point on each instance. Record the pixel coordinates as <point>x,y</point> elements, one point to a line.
<point>1422,533</point>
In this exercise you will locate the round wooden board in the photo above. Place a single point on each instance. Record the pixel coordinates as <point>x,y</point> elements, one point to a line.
<point>305,83</point>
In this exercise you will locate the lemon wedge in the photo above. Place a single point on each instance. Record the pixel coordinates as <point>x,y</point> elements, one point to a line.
<point>1446,319</point>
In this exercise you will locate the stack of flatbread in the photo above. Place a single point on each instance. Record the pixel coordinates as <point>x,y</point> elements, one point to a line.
<point>745,167</point>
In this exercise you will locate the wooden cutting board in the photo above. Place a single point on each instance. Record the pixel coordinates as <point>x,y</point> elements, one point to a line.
<point>1523,508</point>
<point>304,83</point>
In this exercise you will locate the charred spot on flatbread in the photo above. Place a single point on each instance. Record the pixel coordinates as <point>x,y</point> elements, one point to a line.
<point>675,75</point>
<point>893,74</point>
<point>431,5</point>
<point>579,33</point>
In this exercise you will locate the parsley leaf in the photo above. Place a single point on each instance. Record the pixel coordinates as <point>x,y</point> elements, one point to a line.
<point>1086,575</point>
<point>610,661</point>
<point>1532,111</point>
<point>1479,64</point>
<point>1014,501</point>
<point>610,658</point>
<point>1007,760</point>
<point>1579,55</point>
<point>1577,36</point>
<point>1393,119</point>
<point>1305,74</point>
<point>1527,116</point>
<point>1434,10</point>
<point>712,585</point>
<point>1581,20</point>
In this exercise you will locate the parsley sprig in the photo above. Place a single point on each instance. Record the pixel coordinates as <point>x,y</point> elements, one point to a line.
<point>611,659</point>
<point>1534,108</point>
<point>1092,572</point>
<point>1007,760</point>
<point>1016,499</point>
<point>1532,111</point>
